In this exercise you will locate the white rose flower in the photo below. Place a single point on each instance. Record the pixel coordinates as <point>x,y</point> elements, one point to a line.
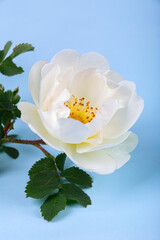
<point>84,109</point>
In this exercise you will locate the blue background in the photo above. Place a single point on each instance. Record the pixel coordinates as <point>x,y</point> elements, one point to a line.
<point>125,203</point>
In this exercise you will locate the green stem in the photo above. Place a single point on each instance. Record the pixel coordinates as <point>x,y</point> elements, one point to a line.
<point>43,150</point>
<point>31,142</point>
<point>35,143</point>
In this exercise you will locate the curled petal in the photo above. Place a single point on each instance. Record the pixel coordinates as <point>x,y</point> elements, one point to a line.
<point>65,129</point>
<point>91,85</point>
<point>48,84</point>
<point>121,152</point>
<point>102,161</point>
<point>123,92</point>
<point>106,143</point>
<point>124,118</point>
<point>98,161</point>
<point>93,60</point>
<point>66,58</point>
<point>114,76</point>
<point>103,116</point>
<point>30,116</point>
<point>35,80</point>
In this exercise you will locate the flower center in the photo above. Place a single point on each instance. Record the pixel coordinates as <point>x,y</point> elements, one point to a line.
<point>80,109</point>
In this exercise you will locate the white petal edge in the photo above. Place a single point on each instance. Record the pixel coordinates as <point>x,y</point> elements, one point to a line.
<point>30,116</point>
<point>114,76</point>
<point>124,118</point>
<point>107,143</point>
<point>66,58</point>
<point>104,161</point>
<point>121,152</point>
<point>48,83</point>
<point>98,161</point>
<point>93,60</point>
<point>35,79</point>
<point>65,129</point>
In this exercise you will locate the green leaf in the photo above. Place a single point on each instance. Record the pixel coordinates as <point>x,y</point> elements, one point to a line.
<point>1,55</point>
<point>44,165</point>
<point>15,96</point>
<point>39,191</point>
<point>44,178</point>
<point>16,113</point>
<point>21,48</point>
<point>77,176</point>
<point>43,172</point>
<point>53,205</point>
<point>6,105</point>
<point>4,52</point>
<point>9,68</point>
<point>60,160</point>
<point>5,96</point>
<point>12,152</point>
<point>73,192</point>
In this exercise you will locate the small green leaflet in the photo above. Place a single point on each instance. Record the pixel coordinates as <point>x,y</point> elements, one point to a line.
<point>43,178</point>
<point>10,151</point>
<point>73,192</point>
<point>60,160</point>
<point>4,52</point>
<point>7,66</point>
<point>15,97</point>
<point>43,165</point>
<point>39,191</point>
<point>53,205</point>
<point>21,48</point>
<point>77,176</point>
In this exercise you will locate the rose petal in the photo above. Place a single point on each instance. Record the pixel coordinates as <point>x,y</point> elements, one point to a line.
<point>106,143</point>
<point>66,58</point>
<point>123,92</point>
<point>61,84</point>
<point>91,85</point>
<point>35,79</point>
<point>120,152</point>
<point>48,84</point>
<point>102,161</point>
<point>114,76</point>
<point>124,118</point>
<point>103,116</point>
<point>98,161</point>
<point>30,116</point>
<point>93,60</point>
<point>65,129</point>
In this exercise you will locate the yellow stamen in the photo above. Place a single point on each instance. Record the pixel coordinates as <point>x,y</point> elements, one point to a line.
<point>80,110</point>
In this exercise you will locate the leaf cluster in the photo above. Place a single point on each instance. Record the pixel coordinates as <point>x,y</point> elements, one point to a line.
<point>8,114</point>
<point>9,99</point>
<point>49,179</point>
